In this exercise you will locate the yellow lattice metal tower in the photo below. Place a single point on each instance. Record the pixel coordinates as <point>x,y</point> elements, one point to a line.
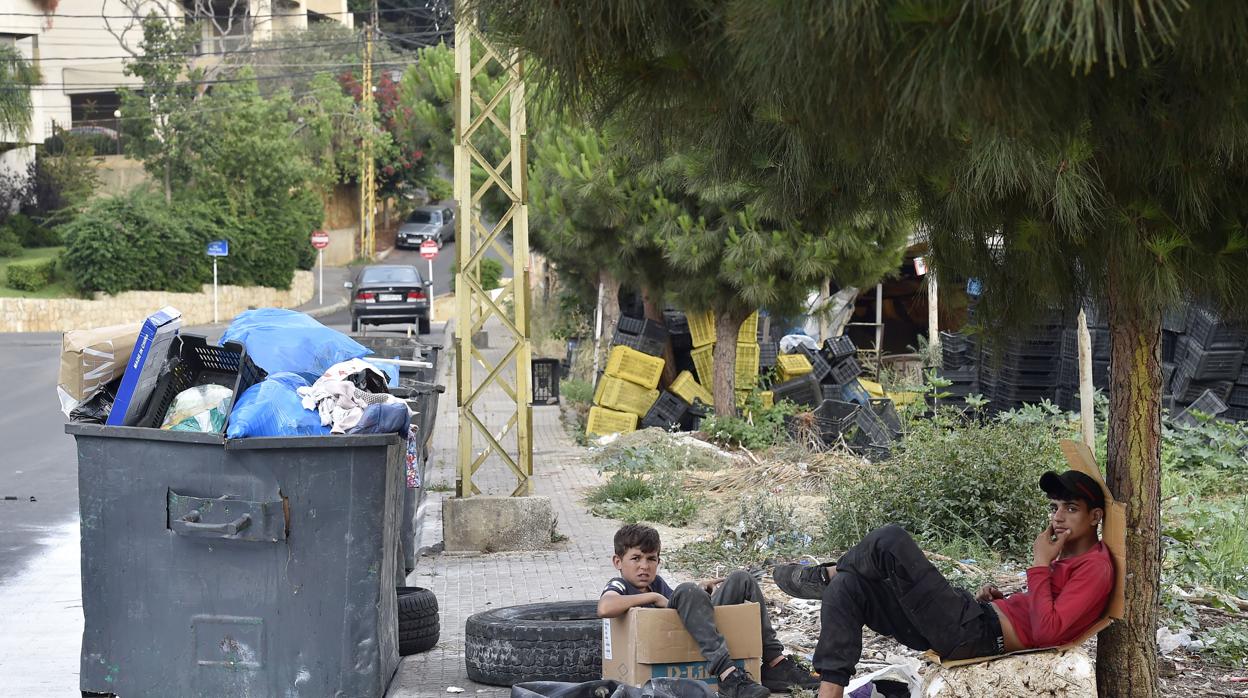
<point>488,432</point>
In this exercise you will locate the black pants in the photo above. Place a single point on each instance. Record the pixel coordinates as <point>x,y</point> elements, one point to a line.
<point>885,583</point>
<point>697,612</point>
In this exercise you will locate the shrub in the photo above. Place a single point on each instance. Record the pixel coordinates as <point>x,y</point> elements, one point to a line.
<point>31,276</point>
<point>491,272</point>
<point>952,483</point>
<point>658,498</point>
<point>133,242</point>
<point>759,428</point>
<point>10,245</point>
<point>31,234</point>
<point>577,391</point>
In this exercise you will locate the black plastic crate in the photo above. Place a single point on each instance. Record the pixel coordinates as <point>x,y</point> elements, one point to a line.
<point>1173,319</point>
<point>677,323</point>
<point>1207,330</point>
<point>845,371</point>
<point>666,412</point>
<point>692,421</point>
<point>767,353</point>
<point>953,341</point>
<point>545,381</point>
<point>1167,374</point>
<point>866,429</point>
<point>1015,364</point>
<point>1169,344</point>
<point>1191,391</point>
<point>651,339</point>
<point>1210,364</point>
<point>630,325</point>
<point>819,366</point>
<point>1207,403</point>
<point>831,419</point>
<point>803,390</point>
<point>1235,414</point>
<point>887,412</point>
<point>193,362</point>
<point>839,348</point>
<point>1243,375</point>
<point>1238,396</point>
<point>964,376</point>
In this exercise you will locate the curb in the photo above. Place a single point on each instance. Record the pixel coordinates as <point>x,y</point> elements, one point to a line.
<point>326,310</point>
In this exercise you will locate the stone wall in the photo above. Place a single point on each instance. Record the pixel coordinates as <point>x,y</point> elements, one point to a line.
<point>63,314</point>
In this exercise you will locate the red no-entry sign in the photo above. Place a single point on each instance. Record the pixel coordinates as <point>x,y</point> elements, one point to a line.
<point>428,249</point>
<point>320,239</point>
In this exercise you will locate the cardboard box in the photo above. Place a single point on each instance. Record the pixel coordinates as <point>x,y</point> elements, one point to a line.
<point>1113,535</point>
<point>648,643</point>
<point>150,351</point>
<point>90,359</point>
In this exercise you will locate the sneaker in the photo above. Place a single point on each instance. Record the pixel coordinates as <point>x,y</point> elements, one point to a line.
<point>801,581</point>
<point>789,674</point>
<point>739,684</point>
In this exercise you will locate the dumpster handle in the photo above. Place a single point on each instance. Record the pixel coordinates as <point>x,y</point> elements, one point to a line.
<point>190,524</point>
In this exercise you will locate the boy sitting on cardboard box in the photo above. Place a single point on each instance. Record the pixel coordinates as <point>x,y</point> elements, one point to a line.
<point>639,584</point>
<point>885,583</point>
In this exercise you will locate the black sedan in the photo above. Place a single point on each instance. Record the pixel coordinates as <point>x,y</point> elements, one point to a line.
<point>390,293</point>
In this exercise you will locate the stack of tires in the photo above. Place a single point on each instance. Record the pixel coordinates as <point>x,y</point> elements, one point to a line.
<point>418,620</point>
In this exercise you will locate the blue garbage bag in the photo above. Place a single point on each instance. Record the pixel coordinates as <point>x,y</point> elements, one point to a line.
<point>273,408</point>
<point>386,418</point>
<point>281,340</point>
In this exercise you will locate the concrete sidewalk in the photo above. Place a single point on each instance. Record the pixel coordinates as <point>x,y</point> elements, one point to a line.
<point>336,296</point>
<point>467,583</point>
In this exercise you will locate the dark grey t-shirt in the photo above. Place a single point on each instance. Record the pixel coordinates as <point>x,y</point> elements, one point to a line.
<point>623,588</point>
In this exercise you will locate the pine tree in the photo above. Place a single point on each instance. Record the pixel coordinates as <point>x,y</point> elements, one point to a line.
<point>17,76</point>
<point>1056,150</point>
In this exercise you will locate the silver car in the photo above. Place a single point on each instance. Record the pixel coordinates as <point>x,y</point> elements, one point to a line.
<point>435,223</point>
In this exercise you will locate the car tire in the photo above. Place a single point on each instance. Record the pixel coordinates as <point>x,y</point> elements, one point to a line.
<point>419,627</point>
<point>422,325</point>
<point>355,324</point>
<point>560,641</point>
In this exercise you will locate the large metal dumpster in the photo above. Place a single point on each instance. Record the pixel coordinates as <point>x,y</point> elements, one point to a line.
<point>248,567</point>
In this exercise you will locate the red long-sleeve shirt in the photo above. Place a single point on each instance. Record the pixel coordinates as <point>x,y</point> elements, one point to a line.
<point>1062,600</point>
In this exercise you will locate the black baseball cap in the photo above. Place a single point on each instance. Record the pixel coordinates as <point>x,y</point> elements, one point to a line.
<point>1073,484</point>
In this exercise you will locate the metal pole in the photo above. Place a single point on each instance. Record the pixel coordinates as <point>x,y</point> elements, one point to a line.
<point>431,294</point>
<point>320,260</point>
<point>214,290</point>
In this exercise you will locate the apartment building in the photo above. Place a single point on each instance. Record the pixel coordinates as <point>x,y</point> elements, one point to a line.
<point>81,49</point>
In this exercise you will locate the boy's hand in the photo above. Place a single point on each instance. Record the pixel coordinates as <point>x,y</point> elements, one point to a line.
<point>659,600</point>
<point>1048,546</point>
<point>988,593</point>
<point>709,585</point>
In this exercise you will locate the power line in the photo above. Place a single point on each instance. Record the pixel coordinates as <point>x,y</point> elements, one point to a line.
<point>270,49</point>
<point>413,11</point>
<point>190,83</point>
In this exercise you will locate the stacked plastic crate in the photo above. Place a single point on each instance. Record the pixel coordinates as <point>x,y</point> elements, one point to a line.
<point>1208,356</point>
<point>1024,368</point>
<point>959,365</point>
<point>627,390</point>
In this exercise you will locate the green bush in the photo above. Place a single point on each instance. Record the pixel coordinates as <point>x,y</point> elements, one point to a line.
<point>10,245</point>
<point>31,276</point>
<point>953,483</point>
<point>31,234</point>
<point>577,391</point>
<point>134,242</point>
<point>491,272</point>
<point>759,428</point>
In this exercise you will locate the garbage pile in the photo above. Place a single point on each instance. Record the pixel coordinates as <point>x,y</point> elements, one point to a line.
<point>824,379</point>
<point>1203,364</point>
<point>275,373</point>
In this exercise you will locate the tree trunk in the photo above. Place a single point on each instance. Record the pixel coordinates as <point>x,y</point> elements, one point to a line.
<point>610,313</point>
<point>1126,664</point>
<point>168,185</point>
<point>727,325</point>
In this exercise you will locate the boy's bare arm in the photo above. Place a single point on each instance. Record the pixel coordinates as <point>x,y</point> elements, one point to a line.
<point>613,605</point>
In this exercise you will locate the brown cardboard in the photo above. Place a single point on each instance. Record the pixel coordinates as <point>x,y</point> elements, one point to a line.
<point>92,358</point>
<point>647,643</point>
<point>1113,535</point>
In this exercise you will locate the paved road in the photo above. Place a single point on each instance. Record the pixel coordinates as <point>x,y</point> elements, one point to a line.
<point>39,460</point>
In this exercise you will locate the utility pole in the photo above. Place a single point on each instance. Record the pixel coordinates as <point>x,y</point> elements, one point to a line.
<point>368,163</point>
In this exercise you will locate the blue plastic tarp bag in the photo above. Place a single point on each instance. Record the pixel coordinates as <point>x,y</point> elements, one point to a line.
<point>272,407</point>
<point>281,341</point>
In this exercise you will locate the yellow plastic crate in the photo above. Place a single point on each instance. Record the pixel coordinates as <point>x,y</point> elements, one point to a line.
<point>603,421</point>
<point>702,327</point>
<point>747,365</point>
<point>792,366</point>
<point>689,389</point>
<point>749,330</point>
<point>619,394</point>
<point>766,397</point>
<point>634,366</point>
<point>704,363</point>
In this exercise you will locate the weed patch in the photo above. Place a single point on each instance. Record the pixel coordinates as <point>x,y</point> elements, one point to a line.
<point>759,427</point>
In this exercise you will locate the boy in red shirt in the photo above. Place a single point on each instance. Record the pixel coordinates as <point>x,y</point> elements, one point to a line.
<point>885,583</point>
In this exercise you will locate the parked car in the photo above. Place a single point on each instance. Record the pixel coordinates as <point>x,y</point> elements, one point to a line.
<point>385,294</point>
<point>435,223</point>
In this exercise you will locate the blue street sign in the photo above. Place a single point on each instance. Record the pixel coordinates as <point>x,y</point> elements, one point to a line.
<point>219,248</point>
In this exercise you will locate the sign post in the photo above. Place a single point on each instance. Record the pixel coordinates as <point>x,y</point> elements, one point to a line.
<point>216,248</point>
<point>320,240</point>
<point>429,250</point>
